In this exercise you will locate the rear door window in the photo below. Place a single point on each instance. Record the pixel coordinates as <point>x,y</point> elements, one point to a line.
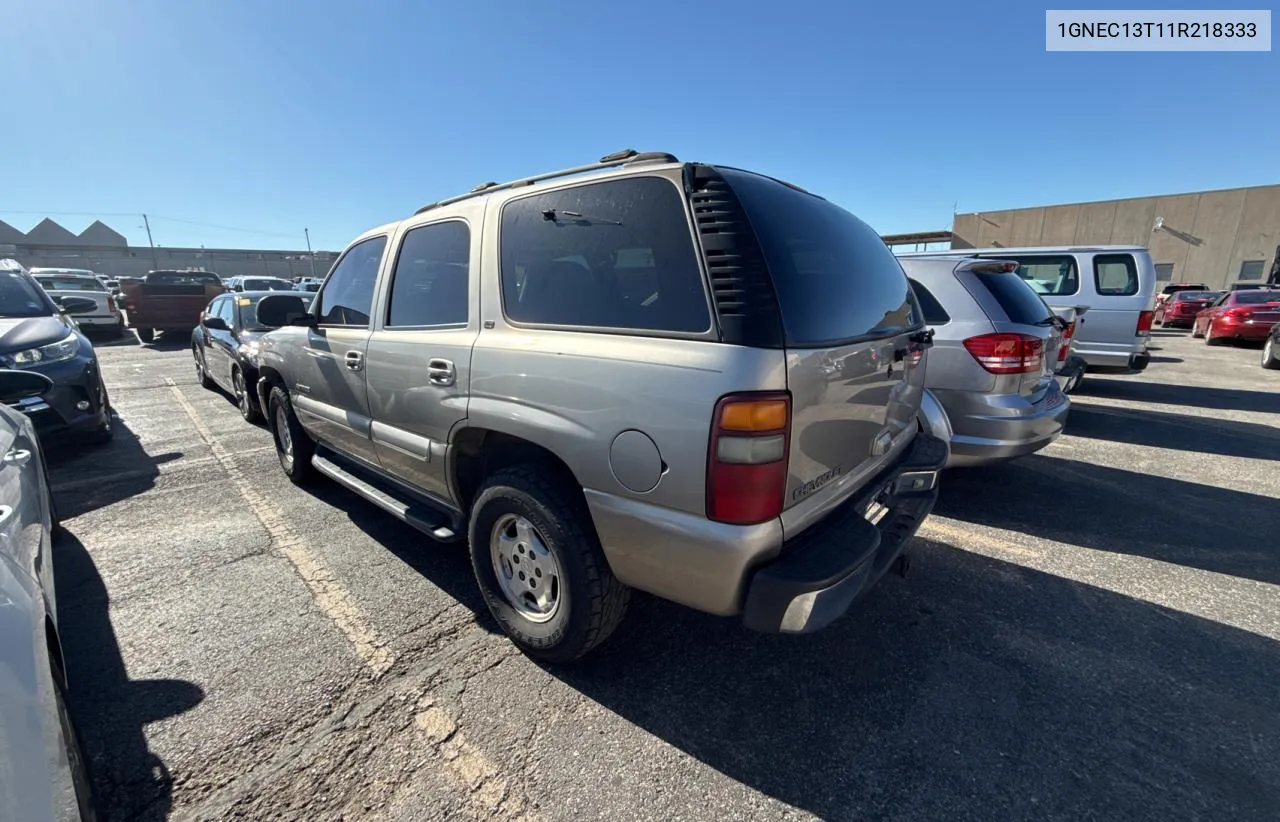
<point>429,286</point>
<point>1115,275</point>
<point>836,280</point>
<point>615,254</point>
<point>1016,297</point>
<point>934,313</point>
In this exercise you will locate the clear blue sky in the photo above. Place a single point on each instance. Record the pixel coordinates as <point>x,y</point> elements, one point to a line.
<point>276,115</point>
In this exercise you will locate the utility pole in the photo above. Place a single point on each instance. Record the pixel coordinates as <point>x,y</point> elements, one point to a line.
<point>155,263</point>
<point>311,257</point>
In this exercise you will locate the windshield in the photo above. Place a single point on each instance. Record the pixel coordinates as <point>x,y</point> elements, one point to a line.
<point>1186,296</point>
<point>1174,289</point>
<point>62,282</point>
<point>1257,297</point>
<point>19,297</point>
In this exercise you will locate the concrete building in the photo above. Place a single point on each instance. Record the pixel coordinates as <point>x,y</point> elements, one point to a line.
<point>104,250</point>
<point>1211,237</point>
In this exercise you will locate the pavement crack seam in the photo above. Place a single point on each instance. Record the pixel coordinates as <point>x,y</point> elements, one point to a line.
<point>330,596</point>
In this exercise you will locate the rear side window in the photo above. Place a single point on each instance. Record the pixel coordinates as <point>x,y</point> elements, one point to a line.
<point>1115,275</point>
<point>429,286</point>
<point>614,254</point>
<point>1049,276</point>
<point>1018,300</point>
<point>934,313</point>
<point>835,278</point>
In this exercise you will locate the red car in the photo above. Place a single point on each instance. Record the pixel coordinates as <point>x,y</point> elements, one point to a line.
<point>1239,315</point>
<point>1180,310</point>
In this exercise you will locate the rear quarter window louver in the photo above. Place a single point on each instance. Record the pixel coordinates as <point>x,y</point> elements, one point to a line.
<point>741,291</point>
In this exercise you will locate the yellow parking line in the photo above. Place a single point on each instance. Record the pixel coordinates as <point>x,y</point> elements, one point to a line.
<point>330,596</point>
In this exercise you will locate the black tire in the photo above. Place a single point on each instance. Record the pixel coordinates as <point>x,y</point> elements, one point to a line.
<point>106,429</point>
<point>295,456</point>
<point>591,602</point>
<point>77,762</point>
<point>1195,334</point>
<point>1271,353</point>
<point>246,398</point>
<point>147,335</point>
<point>1209,339</point>
<point>118,331</point>
<point>202,372</point>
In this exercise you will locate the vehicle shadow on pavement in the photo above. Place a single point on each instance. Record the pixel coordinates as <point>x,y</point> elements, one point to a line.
<point>1124,512</point>
<point>1181,432</point>
<point>111,711</point>
<point>86,477</point>
<point>445,565</point>
<point>1224,399</point>
<point>974,690</point>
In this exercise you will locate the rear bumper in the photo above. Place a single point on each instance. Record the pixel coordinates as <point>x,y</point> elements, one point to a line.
<point>994,428</point>
<point>1242,330</point>
<point>821,572</point>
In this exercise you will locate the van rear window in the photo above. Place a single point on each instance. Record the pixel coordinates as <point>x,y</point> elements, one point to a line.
<point>1020,302</point>
<point>1115,275</point>
<point>835,278</point>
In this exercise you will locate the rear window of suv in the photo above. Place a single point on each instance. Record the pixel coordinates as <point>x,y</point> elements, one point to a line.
<point>835,278</point>
<point>1016,297</point>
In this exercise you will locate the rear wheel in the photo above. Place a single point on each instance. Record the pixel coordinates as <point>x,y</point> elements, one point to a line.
<point>1270,354</point>
<point>1209,339</point>
<point>540,567</point>
<point>294,447</point>
<point>1196,333</point>
<point>244,398</point>
<point>147,335</point>
<point>77,764</point>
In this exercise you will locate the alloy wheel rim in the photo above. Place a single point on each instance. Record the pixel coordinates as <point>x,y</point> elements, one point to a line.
<point>526,568</point>
<point>242,396</point>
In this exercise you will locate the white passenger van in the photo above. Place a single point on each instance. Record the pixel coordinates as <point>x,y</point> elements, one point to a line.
<point>1116,282</point>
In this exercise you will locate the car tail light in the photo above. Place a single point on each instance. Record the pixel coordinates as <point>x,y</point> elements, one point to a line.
<point>1239,313</point>
<point>1064,347</point>
<point>1007,353</point>
<point>1144,322</point>
<point>747,457</point>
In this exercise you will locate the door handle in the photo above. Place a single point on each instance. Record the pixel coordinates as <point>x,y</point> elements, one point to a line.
<point>441,372</point>
<point>18,457</point>
<point>354,360</point>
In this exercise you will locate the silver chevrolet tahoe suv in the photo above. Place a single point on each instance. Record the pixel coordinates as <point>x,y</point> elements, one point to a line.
<point>687,379</point>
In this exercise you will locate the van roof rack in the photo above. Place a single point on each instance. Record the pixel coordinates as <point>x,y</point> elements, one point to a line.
<point>626,157</point>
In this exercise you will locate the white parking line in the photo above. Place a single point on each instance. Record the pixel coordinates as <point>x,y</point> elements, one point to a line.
<point>330,596</point>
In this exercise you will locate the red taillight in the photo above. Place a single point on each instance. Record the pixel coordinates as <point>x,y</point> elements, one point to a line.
<point>1239,313</point>
<point>1064,347</point>
<point>1007,353</point>
<point>747,457</point>
<point>1144,322</point>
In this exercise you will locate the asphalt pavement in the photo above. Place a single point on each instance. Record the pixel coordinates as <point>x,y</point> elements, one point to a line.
<point>1087,633</point>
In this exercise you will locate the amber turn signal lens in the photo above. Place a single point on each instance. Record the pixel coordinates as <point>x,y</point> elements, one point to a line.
<point>763,415</point>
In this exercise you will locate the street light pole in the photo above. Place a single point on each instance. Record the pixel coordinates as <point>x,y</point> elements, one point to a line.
<point>311,257</point>
<point>155,263</point>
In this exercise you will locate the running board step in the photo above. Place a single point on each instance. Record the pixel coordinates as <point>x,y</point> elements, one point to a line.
<point>425,519</point>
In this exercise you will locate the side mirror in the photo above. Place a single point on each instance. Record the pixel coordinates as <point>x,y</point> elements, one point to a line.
<point>77,305</point>
<point>16,386</point>
<point>281,309</point>
<point>215,323</point>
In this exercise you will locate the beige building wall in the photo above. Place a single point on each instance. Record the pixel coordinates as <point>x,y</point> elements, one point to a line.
<point>1207,236</point>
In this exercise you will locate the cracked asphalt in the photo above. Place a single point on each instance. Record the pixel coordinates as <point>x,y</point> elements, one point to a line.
<point>1088,633</point>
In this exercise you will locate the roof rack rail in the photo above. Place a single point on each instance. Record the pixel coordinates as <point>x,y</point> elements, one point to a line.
<point>627,156</point>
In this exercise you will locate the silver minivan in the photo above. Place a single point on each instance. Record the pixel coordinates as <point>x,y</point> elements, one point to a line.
<point>990,379</point>
<point>1116,282</point>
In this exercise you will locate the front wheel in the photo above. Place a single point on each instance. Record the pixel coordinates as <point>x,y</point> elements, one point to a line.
<point>1270,356</point>
<point>202,369</point>
<point>294,447</point>
<point>540,567</point>
<point>105,429</point>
